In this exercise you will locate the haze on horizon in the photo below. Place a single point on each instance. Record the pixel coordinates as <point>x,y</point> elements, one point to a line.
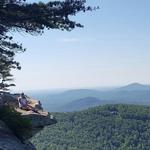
<point>111,50</point>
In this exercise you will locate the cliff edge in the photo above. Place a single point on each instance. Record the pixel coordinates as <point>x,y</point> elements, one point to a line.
<point>39,119</point>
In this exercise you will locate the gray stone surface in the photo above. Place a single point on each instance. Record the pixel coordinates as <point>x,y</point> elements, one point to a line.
<point>9,142</point>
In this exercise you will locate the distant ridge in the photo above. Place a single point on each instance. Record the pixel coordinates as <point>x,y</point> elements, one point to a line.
<point>82,104</point>
<point>129,94</point>
<point>135,87</point>
<point>81,91</point>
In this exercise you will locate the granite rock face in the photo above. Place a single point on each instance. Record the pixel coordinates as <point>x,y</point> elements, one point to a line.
<point>39,120</point>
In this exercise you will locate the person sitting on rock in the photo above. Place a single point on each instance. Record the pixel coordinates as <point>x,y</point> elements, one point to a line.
<point>23,103</point>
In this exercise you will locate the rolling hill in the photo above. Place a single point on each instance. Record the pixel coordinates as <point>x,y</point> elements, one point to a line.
<point>81,104</point>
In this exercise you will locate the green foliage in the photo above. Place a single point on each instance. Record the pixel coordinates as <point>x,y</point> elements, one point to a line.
<point>109,127</point>
<point>20,126</point>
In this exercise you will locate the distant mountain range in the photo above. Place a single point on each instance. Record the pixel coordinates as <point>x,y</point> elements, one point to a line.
<point>78,99</point>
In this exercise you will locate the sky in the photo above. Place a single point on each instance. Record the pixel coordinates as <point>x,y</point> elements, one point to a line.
<point>112,49</point>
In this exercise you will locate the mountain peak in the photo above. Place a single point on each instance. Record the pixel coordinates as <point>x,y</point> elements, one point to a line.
<point>135,84</point>
<point>135,87</point>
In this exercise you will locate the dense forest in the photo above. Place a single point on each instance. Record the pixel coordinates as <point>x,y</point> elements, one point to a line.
<point>109,127</point>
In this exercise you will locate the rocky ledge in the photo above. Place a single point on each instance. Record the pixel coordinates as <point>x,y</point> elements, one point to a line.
<point>39,119</point>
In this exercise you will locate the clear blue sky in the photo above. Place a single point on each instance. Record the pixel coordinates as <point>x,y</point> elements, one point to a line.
<point>113,48</point>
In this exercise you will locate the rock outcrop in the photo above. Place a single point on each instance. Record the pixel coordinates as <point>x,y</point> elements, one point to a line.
<point>39,119</point>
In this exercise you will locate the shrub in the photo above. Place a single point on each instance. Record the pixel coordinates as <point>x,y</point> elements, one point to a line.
<point>20,126</point>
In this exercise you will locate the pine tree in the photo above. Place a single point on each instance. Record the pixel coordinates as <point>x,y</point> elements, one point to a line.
<point>32,18</point>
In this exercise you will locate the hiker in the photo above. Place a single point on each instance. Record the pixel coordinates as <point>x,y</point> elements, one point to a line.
<point>40,105</point>
<point>1,100</point>
<point>23,103</point>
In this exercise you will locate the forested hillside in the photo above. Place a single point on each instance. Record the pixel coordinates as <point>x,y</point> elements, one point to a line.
<point>109,127</point>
